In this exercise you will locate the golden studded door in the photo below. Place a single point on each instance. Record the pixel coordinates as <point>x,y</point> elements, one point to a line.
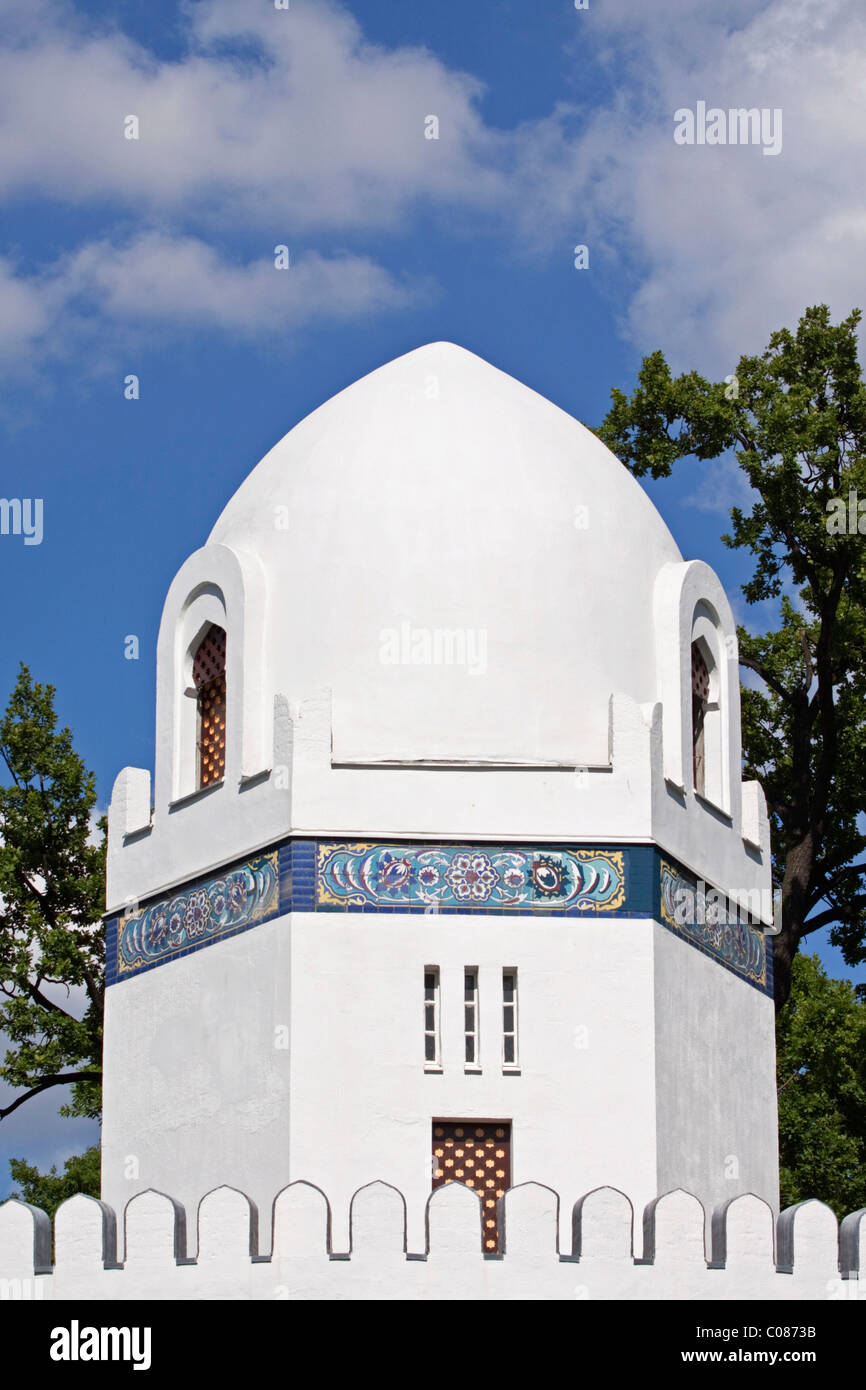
<point>478,1154</point>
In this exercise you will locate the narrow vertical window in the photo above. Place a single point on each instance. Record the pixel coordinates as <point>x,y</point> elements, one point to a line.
<point>470,1016</point>
<point>700,702</point>
<point>432,1058</point>
<point>209,679</point>
<point>509,1018</point>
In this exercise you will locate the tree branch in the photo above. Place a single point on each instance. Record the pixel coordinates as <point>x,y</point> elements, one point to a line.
<point>42,999</point>
<point>849,869</point>
<point>832,914</point>
<point>796,549</point>
<point>93,988</point>
<point>807,659</point>
<point>766,676</point>
<point>830,879</point>
<point>792,1077</point>
<point>46,1083</point>
<point>826,768</point>
<point>747,445</point>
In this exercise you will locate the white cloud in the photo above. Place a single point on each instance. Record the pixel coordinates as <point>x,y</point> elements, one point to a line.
<point>733,243</point>
<point>289,126</point>
<point>26,306</point>
<point>722,485</point>
<point>315,129</point>
<point>184,282</point>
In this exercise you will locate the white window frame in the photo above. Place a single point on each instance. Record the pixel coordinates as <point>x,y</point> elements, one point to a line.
<point>215,585</point>
<point>471,1001</point>
<point>689,604</point>
<point>507,1033</point>
<point>705,637</point>
<point>434,1032</point>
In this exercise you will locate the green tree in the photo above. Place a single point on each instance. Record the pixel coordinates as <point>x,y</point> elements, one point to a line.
<point>52,891</point>
<point>48,1190</point>
<point>821,1070</point>
<point>795,419</point>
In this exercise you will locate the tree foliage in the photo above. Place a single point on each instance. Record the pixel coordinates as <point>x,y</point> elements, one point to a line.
<point>795,419</point>
<point>821,1070</point>
<point>48,1190</point>
<point>52,892</point>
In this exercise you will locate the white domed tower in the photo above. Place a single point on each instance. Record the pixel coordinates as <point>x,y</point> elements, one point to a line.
<point>447,767</point>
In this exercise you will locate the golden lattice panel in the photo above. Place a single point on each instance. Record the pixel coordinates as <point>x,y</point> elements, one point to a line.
<point>700,675</point>
<point>210,658</point>
<point>209,679</point>
<point>212,738</point>
<point>479,1156</point>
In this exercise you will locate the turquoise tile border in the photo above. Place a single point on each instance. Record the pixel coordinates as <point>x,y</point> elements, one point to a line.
<point>197,916</point>
<point>385,877</point>
<point>468,877</point>
<point>713,928</point>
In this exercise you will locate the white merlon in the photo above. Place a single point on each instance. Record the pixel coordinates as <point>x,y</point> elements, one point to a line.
<point>129,811</point>
<point>214,1250</point>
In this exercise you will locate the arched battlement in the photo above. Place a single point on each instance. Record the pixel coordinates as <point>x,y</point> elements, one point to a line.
<point>815,1259</point>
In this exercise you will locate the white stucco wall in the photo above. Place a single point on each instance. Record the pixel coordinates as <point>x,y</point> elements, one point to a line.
<point>582,1108</point>
<point>626,800</point>
<point>642,1063</point>
<point>716,1118</point>
<point>196,1092</point>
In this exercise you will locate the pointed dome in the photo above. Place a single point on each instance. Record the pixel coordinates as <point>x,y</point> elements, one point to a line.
<point>468,569</point>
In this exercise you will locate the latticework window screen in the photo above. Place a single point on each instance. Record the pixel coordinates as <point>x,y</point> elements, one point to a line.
<point>700,698</point>
<point>479,1156</point>
<point>209,679</point>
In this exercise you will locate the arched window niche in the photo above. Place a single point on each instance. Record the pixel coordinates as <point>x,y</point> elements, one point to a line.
<point>696,648</point>
<point>212,630</point>
<point>708,706</point>
<point>202,691</point>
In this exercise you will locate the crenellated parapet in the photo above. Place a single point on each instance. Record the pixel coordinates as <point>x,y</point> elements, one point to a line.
<point>153,1251</point>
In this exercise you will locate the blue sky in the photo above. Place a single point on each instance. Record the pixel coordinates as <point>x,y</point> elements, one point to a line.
<point>305,127</point>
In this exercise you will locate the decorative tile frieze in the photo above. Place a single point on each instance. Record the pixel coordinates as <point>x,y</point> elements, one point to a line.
<point>309,876</point>
<point>199,915</point>
<point>468,877</point>
<point>709,920</point>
